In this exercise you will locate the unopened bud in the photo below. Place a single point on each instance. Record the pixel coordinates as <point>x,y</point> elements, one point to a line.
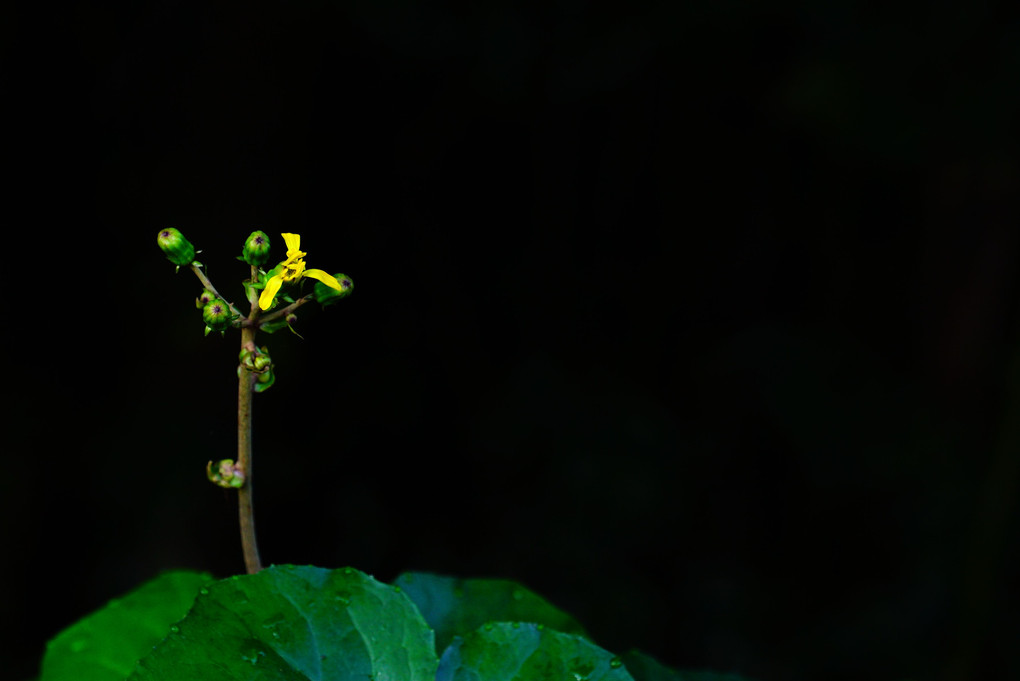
<point>254,360</point>
<point>216,315</point>
<point>178,249</point>
<point>265,380</point>
<point>256,249</point>
<point>262,361</point>
<point>225,473</point>
<point>205,298</point>
<point>327,295</point>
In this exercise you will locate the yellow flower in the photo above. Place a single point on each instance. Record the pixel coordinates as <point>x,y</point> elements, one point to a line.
<point>291,270</point>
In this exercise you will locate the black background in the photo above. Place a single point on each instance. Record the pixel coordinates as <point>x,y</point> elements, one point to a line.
<point>698,319</point>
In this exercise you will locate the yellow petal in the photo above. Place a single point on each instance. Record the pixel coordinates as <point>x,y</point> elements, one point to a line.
<point>326,278</point>
<point>269,292</point>
<point>293,242</point>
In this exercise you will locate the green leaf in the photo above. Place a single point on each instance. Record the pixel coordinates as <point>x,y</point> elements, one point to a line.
<point>454,606</point>
<point>296,622</point>
<point>646,668</point>
<point>105,645</point>
<point>273,327</point>
<point>527,652</point>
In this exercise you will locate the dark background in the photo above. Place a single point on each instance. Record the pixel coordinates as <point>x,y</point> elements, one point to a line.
<point>697,318</point>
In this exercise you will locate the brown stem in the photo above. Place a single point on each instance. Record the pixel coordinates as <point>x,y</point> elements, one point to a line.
<point>245,391</point>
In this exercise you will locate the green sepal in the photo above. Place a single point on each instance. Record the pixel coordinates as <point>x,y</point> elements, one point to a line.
<point>265,381</point>
<point>273,327</point>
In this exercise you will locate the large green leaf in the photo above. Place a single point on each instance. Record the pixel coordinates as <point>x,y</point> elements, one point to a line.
<point>293,622</point>
<point>454,606</point>
<point>514,651</point>
<point>105,645</point>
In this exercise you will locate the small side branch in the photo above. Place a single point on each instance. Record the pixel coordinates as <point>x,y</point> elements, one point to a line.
<point>209,286</point>
<point>280,314</point>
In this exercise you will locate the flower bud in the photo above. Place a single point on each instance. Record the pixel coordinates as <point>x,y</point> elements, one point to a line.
<point>216,315</point>
<point>256,360</point>
<point>327,295</point>
<point>204,298</point>
<point>262,360</point>
<point>225,473</point>
<point>256,249</point>
<point>178,249</point>
<point>265,380</point>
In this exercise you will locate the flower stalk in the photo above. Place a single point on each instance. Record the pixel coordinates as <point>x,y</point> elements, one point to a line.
<point>255,370</point>
<point>245,391</point>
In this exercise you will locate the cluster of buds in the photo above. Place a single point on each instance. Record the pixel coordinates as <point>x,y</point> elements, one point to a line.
<point>258,362</point>
<point>264,290</point>
<point>269,288</point>
<point>225,473</point>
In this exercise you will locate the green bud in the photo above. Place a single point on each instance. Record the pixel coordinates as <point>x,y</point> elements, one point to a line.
<point>259,363</point>
<point>216,315</point>
<point>178,249</point>
<point>262,362</point>
<point>265,380</point>
<point>254,360</point>
<point>203,299</point>
<point>327,295</point>
<point>225,473</point>
<point>256,249</point>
